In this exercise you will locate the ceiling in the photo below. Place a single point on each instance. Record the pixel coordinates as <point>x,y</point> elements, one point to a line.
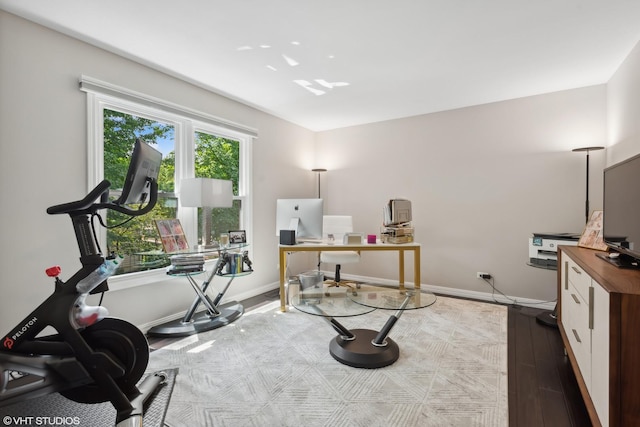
<point>335,63</point>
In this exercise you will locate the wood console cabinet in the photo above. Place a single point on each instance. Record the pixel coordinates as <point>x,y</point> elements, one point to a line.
<point>599,320</point>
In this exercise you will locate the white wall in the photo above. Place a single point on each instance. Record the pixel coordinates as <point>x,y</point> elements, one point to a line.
<point>481,180</point>
<point>43,161</point>
<point>623,108</point>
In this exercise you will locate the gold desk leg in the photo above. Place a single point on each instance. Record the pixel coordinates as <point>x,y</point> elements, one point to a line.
<point>416,267</point>
<point>401,268</point>
<point>283,267</point>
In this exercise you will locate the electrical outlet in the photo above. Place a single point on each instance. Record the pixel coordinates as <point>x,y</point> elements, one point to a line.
<point>481,275</point>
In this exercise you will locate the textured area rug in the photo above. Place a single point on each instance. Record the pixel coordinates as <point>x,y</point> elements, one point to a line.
<point>274,369</point>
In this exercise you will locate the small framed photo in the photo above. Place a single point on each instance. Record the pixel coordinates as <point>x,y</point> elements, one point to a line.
<point>237,236</point>
<point>172,235</point>
<point>592,235</point>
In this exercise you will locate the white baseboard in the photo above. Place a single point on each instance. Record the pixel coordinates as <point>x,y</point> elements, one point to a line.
<point>460,293</point>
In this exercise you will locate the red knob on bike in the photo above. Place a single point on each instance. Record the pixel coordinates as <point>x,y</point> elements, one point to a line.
<point>53,271</point>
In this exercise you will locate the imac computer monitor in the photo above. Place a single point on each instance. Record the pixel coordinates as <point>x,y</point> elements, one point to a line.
<point>304,216</point>
<point>143,167</point>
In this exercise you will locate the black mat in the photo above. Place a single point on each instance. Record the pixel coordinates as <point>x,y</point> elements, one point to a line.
<point>56,410</point>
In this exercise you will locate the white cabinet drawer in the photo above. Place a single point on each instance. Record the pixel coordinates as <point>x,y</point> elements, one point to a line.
<point>578,278</point>
<point>576,324</point>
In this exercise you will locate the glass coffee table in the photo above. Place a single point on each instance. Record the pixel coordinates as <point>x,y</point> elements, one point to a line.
<point>232,262</point>
<point>360,348</point>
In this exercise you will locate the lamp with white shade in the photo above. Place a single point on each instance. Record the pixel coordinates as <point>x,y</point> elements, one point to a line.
<point>206,193</point>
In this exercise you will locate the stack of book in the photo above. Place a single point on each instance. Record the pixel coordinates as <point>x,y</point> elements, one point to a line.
<point>187,263</point>
<point>397,233</point>
<point>234,263</point>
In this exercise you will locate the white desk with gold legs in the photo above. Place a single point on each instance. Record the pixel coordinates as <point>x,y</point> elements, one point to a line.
<point>324,247</point>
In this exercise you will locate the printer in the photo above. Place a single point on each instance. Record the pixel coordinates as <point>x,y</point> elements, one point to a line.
<point>543,248</point>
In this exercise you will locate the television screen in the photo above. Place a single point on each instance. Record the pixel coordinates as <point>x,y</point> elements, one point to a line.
<point>621,205</point>
<point>143,167</point>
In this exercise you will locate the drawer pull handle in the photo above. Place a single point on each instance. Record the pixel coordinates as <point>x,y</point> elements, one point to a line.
<point>575,333</point>
<point>576,270</point>
<point>591,314</point>
<point>575,298</point>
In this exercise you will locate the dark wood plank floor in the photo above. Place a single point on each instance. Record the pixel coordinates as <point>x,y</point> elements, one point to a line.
<point>542,387</point>
<point>543,391</point>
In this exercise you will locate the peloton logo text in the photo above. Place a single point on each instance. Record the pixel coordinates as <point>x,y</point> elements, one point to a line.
<point>8,342</point>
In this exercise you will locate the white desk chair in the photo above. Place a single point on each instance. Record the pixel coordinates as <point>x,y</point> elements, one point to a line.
<point>334,227</point>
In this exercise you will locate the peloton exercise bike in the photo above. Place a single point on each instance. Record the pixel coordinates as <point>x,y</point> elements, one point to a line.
<point>91,358</point>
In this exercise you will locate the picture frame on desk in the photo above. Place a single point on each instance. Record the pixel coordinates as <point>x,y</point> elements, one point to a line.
<point>592,234</point>
<point>172,235</point>
<point>237,236</point>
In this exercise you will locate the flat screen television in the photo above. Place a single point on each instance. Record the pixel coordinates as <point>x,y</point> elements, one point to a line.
<point>621,216</point>
<point>304,216</point>
<point>143,167</point>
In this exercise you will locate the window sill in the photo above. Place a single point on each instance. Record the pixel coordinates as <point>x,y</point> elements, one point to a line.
<point>141,278</point>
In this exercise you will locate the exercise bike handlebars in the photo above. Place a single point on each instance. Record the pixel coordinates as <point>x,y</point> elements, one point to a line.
<point>101,191</point>
<point>80,212</point>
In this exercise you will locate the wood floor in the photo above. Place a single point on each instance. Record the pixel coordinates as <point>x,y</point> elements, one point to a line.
<point>542,387</point>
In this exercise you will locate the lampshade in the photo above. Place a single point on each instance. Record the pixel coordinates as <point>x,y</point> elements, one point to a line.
<point>206,192</point>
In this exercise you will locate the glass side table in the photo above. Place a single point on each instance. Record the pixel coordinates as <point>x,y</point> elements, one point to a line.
<point>215,315</point>
<point>360,348</point>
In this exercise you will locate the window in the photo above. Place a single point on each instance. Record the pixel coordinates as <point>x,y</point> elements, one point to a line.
<point>137,237</point>
<point>193,145</point>
<point>218,157</point>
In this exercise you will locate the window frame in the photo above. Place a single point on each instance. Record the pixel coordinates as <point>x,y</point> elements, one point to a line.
<point>185,126</point>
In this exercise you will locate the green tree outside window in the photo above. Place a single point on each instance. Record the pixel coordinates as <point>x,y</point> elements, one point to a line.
<point>215,157</point>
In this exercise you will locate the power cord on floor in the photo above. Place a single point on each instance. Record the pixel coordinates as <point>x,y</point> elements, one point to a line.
<point>512,301</point>
<point>490,282</point>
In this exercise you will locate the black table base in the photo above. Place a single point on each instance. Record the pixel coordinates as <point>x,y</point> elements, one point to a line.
<point>360,352</point>
<point>200,322</point>
<point>548,318</point>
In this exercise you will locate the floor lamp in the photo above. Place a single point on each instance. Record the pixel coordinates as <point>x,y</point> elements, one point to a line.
<point>318,171</point>
<point>206,193</point>
<point>550,318</point>
<point>582,150</point>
